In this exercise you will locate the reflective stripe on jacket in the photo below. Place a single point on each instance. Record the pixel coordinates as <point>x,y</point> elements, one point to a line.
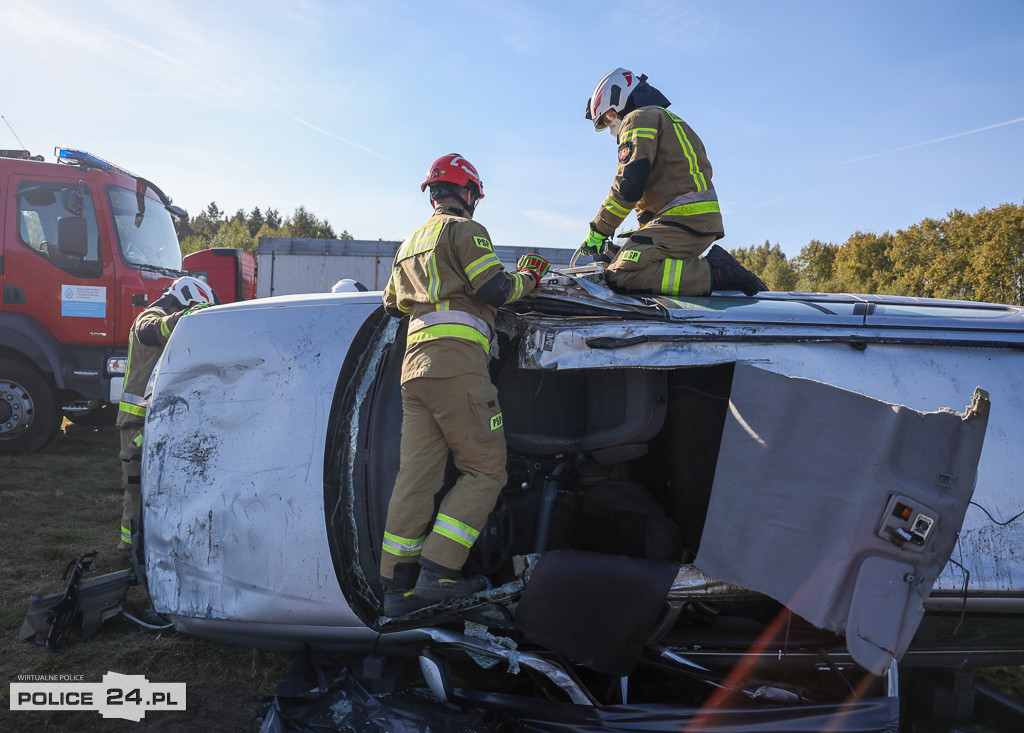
<point>142,359</point>
<point>663,173</point>
<point>437,274</point>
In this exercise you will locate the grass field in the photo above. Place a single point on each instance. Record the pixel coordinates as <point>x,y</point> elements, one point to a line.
<point>66,501</point>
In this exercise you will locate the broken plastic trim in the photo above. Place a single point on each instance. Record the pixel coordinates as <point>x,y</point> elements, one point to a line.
<point>515,658</point>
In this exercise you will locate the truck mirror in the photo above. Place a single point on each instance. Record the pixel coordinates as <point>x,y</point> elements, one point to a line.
<point>39,197</point>
<point>72,236</point>
<point>73,199</point>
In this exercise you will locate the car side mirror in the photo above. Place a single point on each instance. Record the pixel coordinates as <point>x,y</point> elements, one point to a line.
<point>72,236</point>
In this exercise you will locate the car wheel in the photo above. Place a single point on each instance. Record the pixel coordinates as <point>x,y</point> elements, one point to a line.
<point>29,412</point>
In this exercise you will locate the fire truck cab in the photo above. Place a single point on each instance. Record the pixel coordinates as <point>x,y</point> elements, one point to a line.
<point>85,246</point>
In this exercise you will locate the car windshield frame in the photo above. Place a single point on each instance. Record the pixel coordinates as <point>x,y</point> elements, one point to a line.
<point>145,233</point>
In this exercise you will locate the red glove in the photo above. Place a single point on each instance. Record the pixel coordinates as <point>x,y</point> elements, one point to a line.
<point>534,265</point>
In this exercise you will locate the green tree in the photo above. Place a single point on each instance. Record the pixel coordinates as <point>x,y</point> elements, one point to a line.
<point>234,233</point>
<point>256,220</point>
<point>303,224</point>
<point>923,263</point>
<point>992,241</point>
<point>816,267</point>
<point>273,219</point>
<point>770,264</point>
<point>862,264</point>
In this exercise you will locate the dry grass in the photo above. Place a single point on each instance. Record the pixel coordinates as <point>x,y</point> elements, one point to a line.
<point>64,502</point>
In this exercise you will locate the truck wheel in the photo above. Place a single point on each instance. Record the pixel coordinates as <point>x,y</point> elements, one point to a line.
<point>29,414</point>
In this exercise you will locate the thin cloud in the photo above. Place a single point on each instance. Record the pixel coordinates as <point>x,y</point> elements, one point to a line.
<point>767,203</point>
<point>552,220</point>
<point>936,140</point>
<point>337,137</point>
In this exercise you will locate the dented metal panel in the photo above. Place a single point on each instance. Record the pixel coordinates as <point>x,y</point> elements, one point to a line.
<point>233,507</point>
<point>842,507</point>
<point>922,377</point>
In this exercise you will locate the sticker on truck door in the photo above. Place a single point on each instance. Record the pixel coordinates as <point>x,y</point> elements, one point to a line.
<point>83,301</point>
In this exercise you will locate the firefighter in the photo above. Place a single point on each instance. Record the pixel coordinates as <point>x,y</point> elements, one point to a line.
<point>447,279</point>
<point>665,175</point>
<point>146,342</point>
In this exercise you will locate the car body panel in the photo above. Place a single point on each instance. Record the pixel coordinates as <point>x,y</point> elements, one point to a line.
<point>233,528</point>
<point>234,464</point>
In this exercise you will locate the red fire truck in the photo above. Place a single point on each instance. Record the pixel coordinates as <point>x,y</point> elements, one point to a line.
<point>230,271</point>
<point>84,247</point>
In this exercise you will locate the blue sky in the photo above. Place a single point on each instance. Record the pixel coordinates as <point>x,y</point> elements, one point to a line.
<point>820,118</point>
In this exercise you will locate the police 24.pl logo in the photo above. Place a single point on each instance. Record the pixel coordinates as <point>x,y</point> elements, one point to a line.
<point>127,696</point>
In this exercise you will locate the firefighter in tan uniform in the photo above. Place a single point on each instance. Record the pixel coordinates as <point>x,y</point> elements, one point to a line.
<point>146,342</point>
<point>663,173</point>
<point>448,281</point>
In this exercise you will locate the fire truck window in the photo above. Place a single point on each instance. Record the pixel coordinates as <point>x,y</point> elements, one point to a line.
<point>40,210</point>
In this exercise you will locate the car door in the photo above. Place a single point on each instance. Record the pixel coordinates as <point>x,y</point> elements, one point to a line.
<point>842,507</point>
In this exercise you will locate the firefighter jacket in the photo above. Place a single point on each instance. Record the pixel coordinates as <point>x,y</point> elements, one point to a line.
<point>663,173</point>
<point>449,282</point>
<point>146,342</point>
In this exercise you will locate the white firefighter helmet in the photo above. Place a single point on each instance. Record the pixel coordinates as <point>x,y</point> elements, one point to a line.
<point>611,93</point>
<point>190,291</point>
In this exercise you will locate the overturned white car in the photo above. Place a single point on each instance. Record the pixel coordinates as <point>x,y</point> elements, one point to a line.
<point>717,489</point>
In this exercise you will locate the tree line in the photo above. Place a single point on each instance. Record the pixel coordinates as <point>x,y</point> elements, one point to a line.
<point>214,228</point>
<point>963,257</point>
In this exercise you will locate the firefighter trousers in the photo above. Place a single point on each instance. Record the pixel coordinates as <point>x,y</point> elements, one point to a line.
<point>131,481</point>
<point>661,258</point>
<point>460,414</point>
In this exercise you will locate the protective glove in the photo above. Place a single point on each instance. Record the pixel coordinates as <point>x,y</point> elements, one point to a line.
<point>594,242</point>
<point>196,307</point>
<point>533,264</point>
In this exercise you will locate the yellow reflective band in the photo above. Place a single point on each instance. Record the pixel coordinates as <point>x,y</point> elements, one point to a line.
<point>422,240</point>
<point>631,255</point>
<point>132,409</point>
<point>455,530</point>
<point>137,441</point>
<point>451,330</point>
<point>646,133</point>
<point>616,208</point>
<point>126,535</point>
<point>164,330</point>
<point>402,546</point>
<point>479,266</point>
<point>691,156</point>
<point>672,277</point>
<point>496,422</point>
<point>128,362</point>
<point>443,306</point>
<point>697,207</point>
<point>517,287</point>
<point>434,287</point>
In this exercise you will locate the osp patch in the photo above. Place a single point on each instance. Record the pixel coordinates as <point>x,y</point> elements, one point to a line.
<point>625,150</point>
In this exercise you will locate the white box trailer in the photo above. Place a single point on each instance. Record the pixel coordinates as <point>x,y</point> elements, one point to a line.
<point>289,266</point>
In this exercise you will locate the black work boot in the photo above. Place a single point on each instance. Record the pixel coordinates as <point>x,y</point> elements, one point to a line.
<point>399,602</point>
<point>728,274</point>
<point>399,592</point>
<point>436,585</point>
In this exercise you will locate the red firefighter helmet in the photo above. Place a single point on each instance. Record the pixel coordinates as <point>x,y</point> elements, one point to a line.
<point>454,169</point>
